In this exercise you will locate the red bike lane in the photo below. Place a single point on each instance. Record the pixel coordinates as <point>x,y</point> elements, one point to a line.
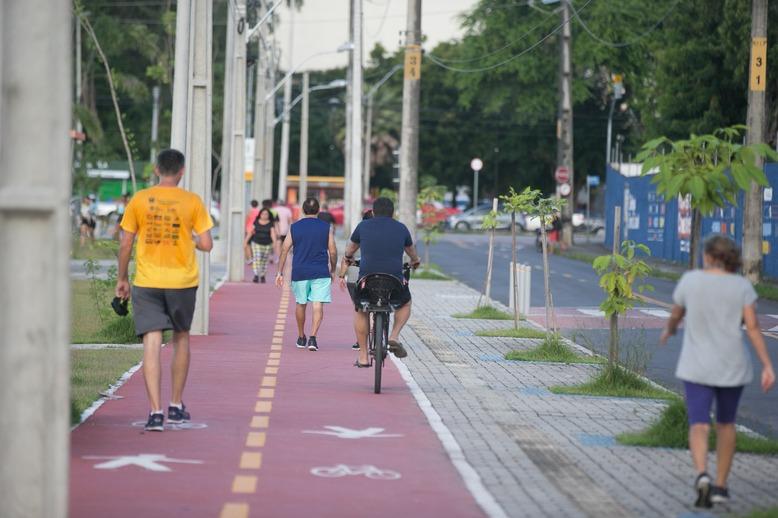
<point>276,431</point>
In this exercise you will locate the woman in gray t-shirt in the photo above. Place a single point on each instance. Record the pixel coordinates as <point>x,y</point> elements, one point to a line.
<point>714,362</point>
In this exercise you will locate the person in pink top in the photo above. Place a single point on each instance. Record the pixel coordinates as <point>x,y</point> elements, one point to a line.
<point>284,215</point>
<point>249,229</point>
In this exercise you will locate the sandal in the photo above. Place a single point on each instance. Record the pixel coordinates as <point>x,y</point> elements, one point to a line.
<point>361,365</point>
<point>397,349</point>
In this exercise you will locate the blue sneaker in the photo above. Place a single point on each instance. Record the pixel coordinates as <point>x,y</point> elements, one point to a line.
<point>156,423</point>
<point>312,345</point>
<point>177,415</point>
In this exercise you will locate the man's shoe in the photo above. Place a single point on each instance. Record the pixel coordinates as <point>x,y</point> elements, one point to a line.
<point>397,348</point>
<point>262,279</point>
<point>156,423</point>
<point>301,342</point>
<point>703,487</point>
<point>355,346</point>
<point>177,415</point>
<point>312,345</point>
<point>719,495</point>
<point>255,279</point>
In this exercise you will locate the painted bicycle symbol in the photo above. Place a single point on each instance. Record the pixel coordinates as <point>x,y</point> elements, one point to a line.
<point>343,470</point>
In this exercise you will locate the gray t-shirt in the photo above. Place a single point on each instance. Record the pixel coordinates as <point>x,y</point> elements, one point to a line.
<point>714,352</point>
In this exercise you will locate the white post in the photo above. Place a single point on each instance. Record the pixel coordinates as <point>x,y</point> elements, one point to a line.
<point>236,264</point>
<point>270,127</point>
<point>368,147</point>
<point>181,77</point>
<point>35,182</point>
<point>354,203</point>
<point>197,177</point>
<point>283,165</point>
<point>523,290</point>
<point>302,191</point>
<point>226,151</point>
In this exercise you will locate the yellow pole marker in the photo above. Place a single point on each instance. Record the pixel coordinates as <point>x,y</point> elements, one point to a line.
<point>244,484</point>
<point>266,393</point>
<point>255,440</point>
<point>263,407</point>
<point>251,460</point>
<point>758,77</point>
<point>260,421</point>
<point>234,510</point>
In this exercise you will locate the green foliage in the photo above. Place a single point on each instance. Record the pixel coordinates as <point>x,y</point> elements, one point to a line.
<point>95,370</point>
<point>552,349</point>
<point>618,273</point>
<point>486,313</point>
<point>698,167</point>
<point>671,430</point>
<point>522,201</point>
<point>615,381</point>
<point>430,274</point>
<point>388,193</point>
<point>512,332</point>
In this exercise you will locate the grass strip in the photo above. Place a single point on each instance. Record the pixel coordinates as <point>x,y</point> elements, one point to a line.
<point>772,512</point>
<point>552,349</point>
<point>93,320</point>
<point>485,313</point>
<point>512,332</point>
<point>96,250</point>
<point>656,273</point>
<point>671,430</point>
<point>429,275</point>
<point>94,370</point>
<point>615,382</point>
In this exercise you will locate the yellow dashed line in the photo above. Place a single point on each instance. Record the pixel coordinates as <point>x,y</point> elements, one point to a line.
<point>251,460</point>
<point>276,347</point>
<point>234,510</point>
<point>244,484</point>
<point>278,333</point>
<point>269,381</point>
<point>273,362</point>
<point>263,407</point>
<point>271,370</point>
<point>266,393</point>
<point>255,439</point>
<point>260,421</point>
<point>274,355</point>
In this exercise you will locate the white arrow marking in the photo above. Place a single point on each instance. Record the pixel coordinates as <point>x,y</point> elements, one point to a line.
<point>661,313</point>
<point>592,312</point>
<point>149,461</point>
<point>347,433</point>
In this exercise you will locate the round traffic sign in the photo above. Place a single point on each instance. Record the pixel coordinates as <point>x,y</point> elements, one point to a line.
<point>476,164</point>
<point>562,174</point>
<point>564,189</point>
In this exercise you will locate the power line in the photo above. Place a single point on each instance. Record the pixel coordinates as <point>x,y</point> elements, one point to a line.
<point>383,20</point>
<point>623,44</point>
<point>508,60</point>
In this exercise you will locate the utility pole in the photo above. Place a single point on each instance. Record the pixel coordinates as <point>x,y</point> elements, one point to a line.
<point>181,77</point>
<point>354,203</point>
<point>409,145</point>
<point>270,116</point>
<point>198,137</point>
<point>154,123</point>
<point>283,166</point>
<point>565,121</point>
<point>347,139</point>
<point>302,191</point>
<point>235,260</point>
<point>367,161</point>
<point>78,143</point>
<point>757,127</point>
<point>36,113</point>
<point>226,151</point>
<point>260,106</point>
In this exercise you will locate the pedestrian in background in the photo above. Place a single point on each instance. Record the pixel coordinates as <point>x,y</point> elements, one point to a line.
<point>250,217</point>
<point>324,215</point>
<point>170,223</point>
<point>313,264</point>
<point>262,239</point>
<point>284,218</point>
<point>714,363</point>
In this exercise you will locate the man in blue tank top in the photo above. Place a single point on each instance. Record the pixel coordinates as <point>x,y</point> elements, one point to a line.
<point>313,263</point>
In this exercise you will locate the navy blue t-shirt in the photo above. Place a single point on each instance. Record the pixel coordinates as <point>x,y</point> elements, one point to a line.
<point>382,241</point>
<point>310,237</point>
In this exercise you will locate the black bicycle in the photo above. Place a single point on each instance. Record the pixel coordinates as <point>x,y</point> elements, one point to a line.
<point>373,296</point>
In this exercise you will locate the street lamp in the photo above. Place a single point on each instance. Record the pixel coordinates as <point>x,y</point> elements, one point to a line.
<point>369,127</point>
<point>476,165</point>
<point>336,83</point>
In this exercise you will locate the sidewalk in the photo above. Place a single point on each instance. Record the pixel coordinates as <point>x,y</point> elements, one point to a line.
<point>542,454</point>
<point>276,431</point>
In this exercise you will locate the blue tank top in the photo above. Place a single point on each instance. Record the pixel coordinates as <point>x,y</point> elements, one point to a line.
<point>310,237</point>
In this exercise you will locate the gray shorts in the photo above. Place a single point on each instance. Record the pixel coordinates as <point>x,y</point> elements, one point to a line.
<point>157,309</point>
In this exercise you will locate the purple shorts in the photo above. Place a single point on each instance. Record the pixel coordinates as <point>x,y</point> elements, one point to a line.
<point>699,399</point>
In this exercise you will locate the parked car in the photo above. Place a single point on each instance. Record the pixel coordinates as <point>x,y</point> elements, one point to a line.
<point>472,218</point>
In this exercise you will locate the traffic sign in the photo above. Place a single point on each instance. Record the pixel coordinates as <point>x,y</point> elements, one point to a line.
<point>562,174</point>
<point>564,189</point>
<point>592,180</point>
<point>476,164</point>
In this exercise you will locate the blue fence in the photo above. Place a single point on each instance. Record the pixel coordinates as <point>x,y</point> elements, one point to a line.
<point>664,225</point>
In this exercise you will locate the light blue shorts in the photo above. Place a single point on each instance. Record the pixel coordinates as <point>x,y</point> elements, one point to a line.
<point>312,290</point>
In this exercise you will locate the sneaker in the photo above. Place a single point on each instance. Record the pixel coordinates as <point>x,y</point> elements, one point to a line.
<point>177,415</point>
<point>312,345</point>
<point>355,346</point>
<point>703,487</point>
<point>301,342</point>
<point>262,279</point>
<point>255,279</point>
<point>155,423</point>
<point>719,495</point>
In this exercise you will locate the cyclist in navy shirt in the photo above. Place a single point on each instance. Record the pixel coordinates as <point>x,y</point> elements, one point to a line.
<point>382,240</point>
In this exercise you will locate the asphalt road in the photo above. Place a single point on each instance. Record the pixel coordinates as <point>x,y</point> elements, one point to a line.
<point>574,285</point>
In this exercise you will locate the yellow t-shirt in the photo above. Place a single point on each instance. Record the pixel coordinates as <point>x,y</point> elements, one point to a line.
<point>163,218</point>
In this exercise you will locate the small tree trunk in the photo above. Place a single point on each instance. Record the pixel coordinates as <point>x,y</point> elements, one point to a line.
<point>694,244</point>
<point>515,274</point>
<point>546,287</point>
<point>613,344</point>
<point>427,255</point>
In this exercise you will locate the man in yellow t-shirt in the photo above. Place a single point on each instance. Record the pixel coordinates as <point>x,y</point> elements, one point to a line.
<point>169,223</point>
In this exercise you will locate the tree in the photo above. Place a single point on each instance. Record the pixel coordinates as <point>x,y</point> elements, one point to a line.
<point>618,273</point>
<point>429,193</point>
<point>517,202</point>
<point>711,169</point>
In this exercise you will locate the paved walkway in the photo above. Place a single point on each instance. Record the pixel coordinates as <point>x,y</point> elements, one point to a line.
<point>276,430</point>
<point>542,454</point>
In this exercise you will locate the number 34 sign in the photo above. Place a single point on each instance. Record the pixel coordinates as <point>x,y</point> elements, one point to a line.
<point>758,65</point>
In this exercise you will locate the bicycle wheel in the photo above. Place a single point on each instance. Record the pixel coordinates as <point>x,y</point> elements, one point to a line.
<point>378,348</point>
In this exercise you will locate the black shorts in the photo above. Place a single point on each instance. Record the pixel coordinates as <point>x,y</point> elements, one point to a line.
<point>399,298</point>
<point>281,238</point>
<point>89,222</point>
<point>157,309</point>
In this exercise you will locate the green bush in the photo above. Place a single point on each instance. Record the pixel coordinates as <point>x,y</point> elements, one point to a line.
<point>485,313</point>
<point>615,381</point>
<point>552,349</point>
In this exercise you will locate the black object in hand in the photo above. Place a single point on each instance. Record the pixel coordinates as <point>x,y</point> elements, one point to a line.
<point>120,306</point>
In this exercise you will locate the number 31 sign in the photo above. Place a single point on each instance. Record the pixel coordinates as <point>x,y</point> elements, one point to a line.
<point>758,65</point>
